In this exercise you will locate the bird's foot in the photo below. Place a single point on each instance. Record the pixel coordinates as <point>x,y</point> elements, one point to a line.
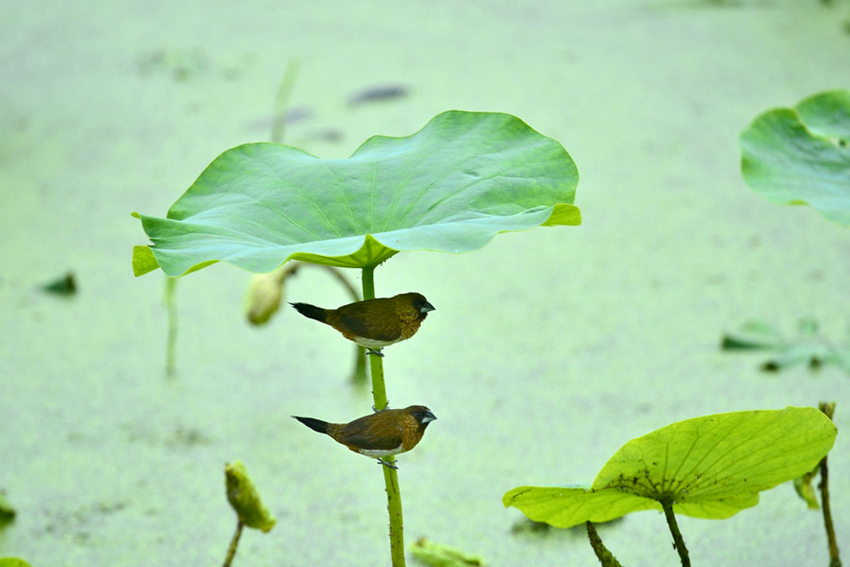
<point>376,352</point>
<point>389,465</point>
<point>386,407</point>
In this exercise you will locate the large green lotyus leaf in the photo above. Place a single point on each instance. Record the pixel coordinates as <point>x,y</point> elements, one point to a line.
<point>708,467</point>
<point>450,187</point>
<point>801,156</point>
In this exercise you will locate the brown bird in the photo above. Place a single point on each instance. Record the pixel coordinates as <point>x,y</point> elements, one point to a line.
<point>374,323</point>
<point>381,434</point>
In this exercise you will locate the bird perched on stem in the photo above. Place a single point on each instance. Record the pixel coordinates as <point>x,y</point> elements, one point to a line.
<point>381,434</point>
<point>374,323</point>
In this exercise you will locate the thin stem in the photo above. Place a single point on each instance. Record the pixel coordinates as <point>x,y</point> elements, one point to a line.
<point>379,395</point>
<point>678,541</point>
<point>605,557</point>
<point>231,551</point>
<point>396,519</point>
<point>281,101</point>
<point>834,559</point>
<point>171,339</point>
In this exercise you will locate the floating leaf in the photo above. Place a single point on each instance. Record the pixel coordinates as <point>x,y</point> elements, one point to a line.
<point>7,513</point>
<point>753,335</point>
<point>436,555</point>
<point>244,498</point>
<point>708,467</point>
<point>65,285</point>
<point>13,562</point>
<point>801,155</point>
<point>451,187</point>
<point>808,347</point>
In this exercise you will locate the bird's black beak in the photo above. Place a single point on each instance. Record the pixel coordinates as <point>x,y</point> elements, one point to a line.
<point>425,308</point>
<point>428,417</point>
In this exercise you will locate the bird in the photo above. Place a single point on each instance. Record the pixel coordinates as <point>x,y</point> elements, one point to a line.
<point>374,323</point>
<point>378,435</point>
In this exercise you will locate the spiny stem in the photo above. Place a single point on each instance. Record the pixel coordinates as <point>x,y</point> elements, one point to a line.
<point>678,541</point>
<point>379,395</point>
<point>605,557</point>
<point>834,559</point>
<point>231,551</point>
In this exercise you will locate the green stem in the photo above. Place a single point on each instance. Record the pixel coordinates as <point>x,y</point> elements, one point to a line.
<point>834,559</point>
<point>281,101</point>
<point>678,541</point>
<point>605,557</point>
<point>231,551</point>
<point>379,395</point>
<point>171,340</point>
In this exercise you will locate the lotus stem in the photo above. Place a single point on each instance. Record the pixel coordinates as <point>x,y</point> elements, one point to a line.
<point>379,395</point>
<point>834,559</point>
<point>170,300</point>
<point>281,100</point>
<point>231,551</point>
<point>605,557</point>
<point>678,541</point>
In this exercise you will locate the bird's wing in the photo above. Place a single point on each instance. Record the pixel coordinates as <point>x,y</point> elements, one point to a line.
<point>366,433</point>
<point>370,324</point>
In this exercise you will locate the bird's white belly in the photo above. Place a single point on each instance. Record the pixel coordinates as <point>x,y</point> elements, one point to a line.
<point>372,343</point>
<point>378,453</point>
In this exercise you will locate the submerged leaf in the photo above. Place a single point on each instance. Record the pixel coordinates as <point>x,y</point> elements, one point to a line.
<point>801,155</point>
<point>451,187</point>
<point>708,467</point>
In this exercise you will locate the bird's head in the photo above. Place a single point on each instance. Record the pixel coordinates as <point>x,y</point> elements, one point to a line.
<point>421,414</point>
<point>419,303</point>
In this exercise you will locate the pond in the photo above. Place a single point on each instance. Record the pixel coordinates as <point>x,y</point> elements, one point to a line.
<point>548,349</point>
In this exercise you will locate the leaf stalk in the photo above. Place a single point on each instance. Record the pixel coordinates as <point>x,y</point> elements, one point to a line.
<point>834,559</point>
<point>678,540</point>
<point>379,396</point>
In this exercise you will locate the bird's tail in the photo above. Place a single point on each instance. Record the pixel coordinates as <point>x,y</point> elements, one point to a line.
<point>311,311</point>
<point>314,424</point>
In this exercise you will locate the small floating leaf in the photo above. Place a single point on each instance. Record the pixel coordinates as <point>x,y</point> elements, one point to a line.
<point>801,155</point>
<point>753,335</point>
<point>709,467</point>
<point>7,513</point>
<point>378,93</point>
<point>66,285</point>
<point>244,498</point>
<point>437,555</point>
<point>808,347</point>
<point>451,187</point>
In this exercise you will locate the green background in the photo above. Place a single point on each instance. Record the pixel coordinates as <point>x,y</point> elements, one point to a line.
<point>549,349</point>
